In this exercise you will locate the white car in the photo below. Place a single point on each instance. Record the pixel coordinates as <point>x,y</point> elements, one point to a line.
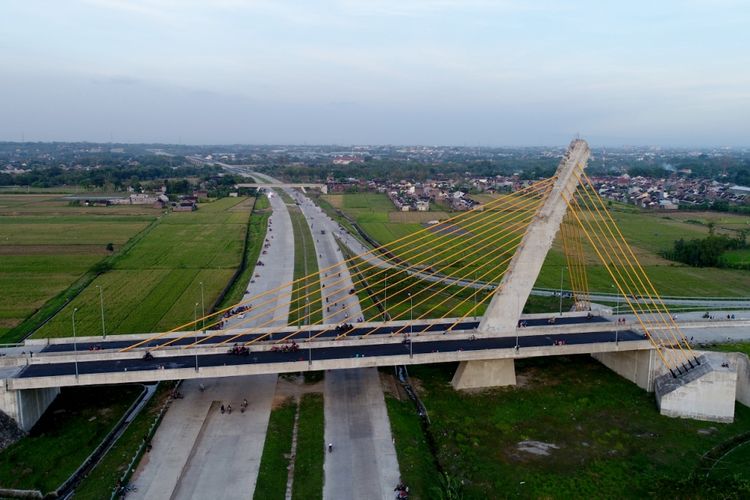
<point>241,316</point>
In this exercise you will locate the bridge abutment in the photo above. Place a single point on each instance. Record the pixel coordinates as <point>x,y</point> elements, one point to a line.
<point>483,374</point>
<point>706,392</point>
<point>26,406</point>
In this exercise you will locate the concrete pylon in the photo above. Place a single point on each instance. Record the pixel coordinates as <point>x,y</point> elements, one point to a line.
<point>506,306</point>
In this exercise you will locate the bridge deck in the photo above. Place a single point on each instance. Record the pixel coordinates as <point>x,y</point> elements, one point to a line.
<point>313,356</point>
<point>114,343</point>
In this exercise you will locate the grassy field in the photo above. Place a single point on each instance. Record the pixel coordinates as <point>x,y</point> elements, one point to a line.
<point>46,246</point>
<point>102,479</point>
<point>648,233</point>
<point>305,263</point>
<point>272,474</point>
<point>66,434</point>
<point>609,439</point>
<point>308,463</point>
<point>156,284</point>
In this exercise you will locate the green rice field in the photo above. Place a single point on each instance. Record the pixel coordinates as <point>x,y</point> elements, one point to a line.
<point>156,285</point>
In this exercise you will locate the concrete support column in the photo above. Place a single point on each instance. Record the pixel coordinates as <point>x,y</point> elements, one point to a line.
<point>26,406</point>
<point>484,374</point>
<point>743,378</point>
<point>640,367</point>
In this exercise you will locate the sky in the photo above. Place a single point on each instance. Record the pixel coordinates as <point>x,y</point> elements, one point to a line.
<point>432,72</point>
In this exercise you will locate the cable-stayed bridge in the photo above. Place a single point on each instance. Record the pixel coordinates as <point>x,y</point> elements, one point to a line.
<point>454,291</point>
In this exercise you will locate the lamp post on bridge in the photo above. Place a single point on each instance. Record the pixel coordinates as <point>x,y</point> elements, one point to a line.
<point>518,326</point>
<point>195,331</point>
<point>101,307</point>
<point>617,313</point>
<point>475,294</point>
<point>203,310</point>
<point>75,344</point>
<point>562,268</point>
<point>385,302</point>
<point>411,324</point>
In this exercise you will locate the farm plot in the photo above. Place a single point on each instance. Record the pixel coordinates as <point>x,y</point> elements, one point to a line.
<point>45,253</point>
<point>156,285</point>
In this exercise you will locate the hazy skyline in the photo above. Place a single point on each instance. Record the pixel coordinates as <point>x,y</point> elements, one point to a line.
<point>450,72</point>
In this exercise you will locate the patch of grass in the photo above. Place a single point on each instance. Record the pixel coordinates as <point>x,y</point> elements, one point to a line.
<point>272,474</point>
<point>732,347</point>
<point>417,470</point>
<point>308,464</point>
<point>305,264</point>
<point>612,442</point>
<point>67,433</point>
<point>735,257</point>
<point>102,479</point>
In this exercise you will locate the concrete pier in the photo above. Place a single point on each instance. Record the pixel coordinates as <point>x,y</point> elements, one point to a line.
<point>640,367</point>
<point>26,406</point>
<point>482,374</point>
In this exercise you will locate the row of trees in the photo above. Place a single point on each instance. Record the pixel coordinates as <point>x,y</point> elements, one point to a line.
<point>705,252</point>
<point>530,168</point>
<point>116,176</point>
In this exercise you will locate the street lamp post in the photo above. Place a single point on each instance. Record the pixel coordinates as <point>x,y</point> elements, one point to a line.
<point>385,302</point>
<point>517,326</point>
<point>101,307</point>
<point>617,328</point>
<point>561,287</point>
<point>411,324</point>
<point>475,294</point>
<point>75,344</point>
<point>203,310</point>
<point>195,331</point>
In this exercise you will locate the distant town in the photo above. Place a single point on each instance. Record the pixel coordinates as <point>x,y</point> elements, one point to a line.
<point>415,178</point>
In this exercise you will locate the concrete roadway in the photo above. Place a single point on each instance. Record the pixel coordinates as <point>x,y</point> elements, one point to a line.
<point>364,462</point>
<point>198,452</point>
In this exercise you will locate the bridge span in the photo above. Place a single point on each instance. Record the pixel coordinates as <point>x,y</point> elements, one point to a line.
<point>501,249</point>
